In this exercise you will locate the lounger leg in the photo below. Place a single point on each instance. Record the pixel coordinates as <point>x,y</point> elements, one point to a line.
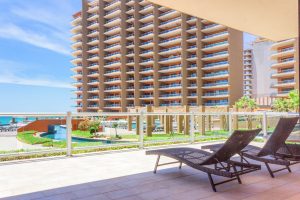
<point>212,182</point>
<point>288,168</point>
<point>180,165</point>
<point>269,169</point>
<point>237,176</point>
<point>156,164</point>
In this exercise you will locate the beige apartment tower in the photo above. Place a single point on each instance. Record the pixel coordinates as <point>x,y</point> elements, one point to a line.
<point>285,66</point>
<point>131,53</point>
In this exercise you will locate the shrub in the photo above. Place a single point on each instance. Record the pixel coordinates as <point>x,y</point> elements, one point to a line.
<point>94,126</point>
<point>84,125</point>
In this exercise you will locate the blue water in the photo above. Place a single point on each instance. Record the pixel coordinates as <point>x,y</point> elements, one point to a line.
<point>60,133</point>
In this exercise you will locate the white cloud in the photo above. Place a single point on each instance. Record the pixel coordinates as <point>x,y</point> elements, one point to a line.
<point>12,73</point>
<point>11,31</point>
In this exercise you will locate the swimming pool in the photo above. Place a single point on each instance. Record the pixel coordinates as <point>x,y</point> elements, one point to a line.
<point>59,132</point>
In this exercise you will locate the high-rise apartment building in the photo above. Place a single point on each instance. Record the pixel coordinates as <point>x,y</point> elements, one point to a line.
<point>248,73</point>
<point>133,53</point>
<point>285,67</point>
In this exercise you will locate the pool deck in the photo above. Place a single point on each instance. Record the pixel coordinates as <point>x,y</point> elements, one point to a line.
<point>128,176</point>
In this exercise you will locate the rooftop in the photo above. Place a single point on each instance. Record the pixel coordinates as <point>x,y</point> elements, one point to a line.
<point>128,175</point>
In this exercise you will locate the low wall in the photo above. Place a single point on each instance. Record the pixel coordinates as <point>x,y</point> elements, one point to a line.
<point>42,125</point>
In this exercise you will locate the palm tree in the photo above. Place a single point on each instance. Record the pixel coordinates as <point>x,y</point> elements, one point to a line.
<point>115,126</point>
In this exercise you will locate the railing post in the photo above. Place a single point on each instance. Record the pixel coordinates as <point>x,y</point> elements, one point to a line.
<point>229,122</point>
<point>192,128</point>
<point>264,124</point>
<point>69,133</point>
<point>141,131</point>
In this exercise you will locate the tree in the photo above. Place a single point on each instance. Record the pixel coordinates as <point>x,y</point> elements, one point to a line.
<point>246,103</point>
<point>281,105</point>
<point>294,100</point>
<point>249,104</point>
<point>290,103</point>
<point>115,126</point>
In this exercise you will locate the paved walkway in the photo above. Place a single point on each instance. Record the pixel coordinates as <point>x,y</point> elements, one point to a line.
<point>128,176</point>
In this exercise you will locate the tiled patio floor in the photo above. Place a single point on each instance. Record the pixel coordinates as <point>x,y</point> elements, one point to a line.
<point>128,176</point>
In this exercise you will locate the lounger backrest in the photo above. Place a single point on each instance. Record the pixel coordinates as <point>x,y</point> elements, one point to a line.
<point>235,143</point>
<point>282,131</point>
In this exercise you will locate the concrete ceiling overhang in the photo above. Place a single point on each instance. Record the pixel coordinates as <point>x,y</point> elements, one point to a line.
<point>272,19</point>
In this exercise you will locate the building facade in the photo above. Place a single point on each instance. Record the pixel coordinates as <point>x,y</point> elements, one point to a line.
<point>261,70</point>
<point>131,53</point>
<point>248,73</point>
<point>285,66</point>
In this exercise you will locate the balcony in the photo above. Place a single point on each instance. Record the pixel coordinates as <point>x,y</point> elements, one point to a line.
<point>93,17</point>
<point>76,20</point>
<point>112,13</point>
<point>170,96</point>
<point>113,30</point>
<point>213,28</point>
<point>284,63</point>
<point>283,43</point>
<point>172,50</point>
<point>77,44</point>
<point>285,52</point>
<point>93,9</point>
<point>76,60</point>
<point>76,37</point>
<point>93,66</point>
<point>112,39</point>
<point>112,5</point>
<point>93,25</point>
<point>77,68</point>
<point>170,23</point>
<point>146,70</point>
<point>172,77</point>
<point>147,44</point>
<point>113,47</point>
<point>76,29</point>
<point>170,32</point>
<point>147,61</point>
<point>93,33</point>
<point>216,65</point>
<point>113,55</point>
<point>147,35</point>
<point>147,9</point>
<point>112,64</point>
<point>147,18</point>
<point>217,103</point>
<point>146,79</point>
<point>215,75</point>
<point>216,94</point>
<point>112,22</point>
<point>112,72</point>
<point>93,58</point>
<point>93,74</point>
<point>216,36</point>
<point>93,50</point>
<point>214,56</point>
<point>170,60</point>
<point>170,41</point>
<point>175,86</point>
<point>112,89</point>
<point>169,14</point>
<point>93,41</point>
<point>215,46</point>
<point>112,80</point>
<point>216,85</point>
<point>147,26</point>
<point>93,82</point>
<point>284,83</point>
<point>147,96</point>
<point>284,73</point>
<point>172,68</point>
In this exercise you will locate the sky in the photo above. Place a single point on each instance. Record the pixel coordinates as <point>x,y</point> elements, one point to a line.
<point>35,55</point>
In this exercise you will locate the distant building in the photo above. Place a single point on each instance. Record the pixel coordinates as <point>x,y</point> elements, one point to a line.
<point>262,72</point>
<point>285,66</point>
<point>248,73</point>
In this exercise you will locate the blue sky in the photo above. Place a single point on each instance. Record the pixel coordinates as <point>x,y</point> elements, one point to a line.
<point>34,55</point>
